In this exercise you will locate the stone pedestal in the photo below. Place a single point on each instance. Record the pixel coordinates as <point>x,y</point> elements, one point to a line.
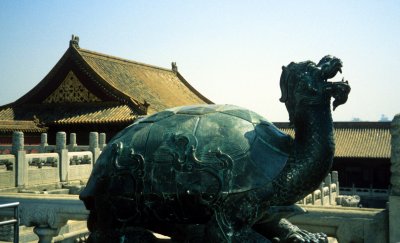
<point>394,198</point>
<point>346,224</point>
<point>394,219</point>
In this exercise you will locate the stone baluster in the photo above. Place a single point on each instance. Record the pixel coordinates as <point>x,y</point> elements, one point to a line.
<point>102,140</point>
<point>43,143</point>
<point>335,179</point>
<point>72,142</point>
<point>17,142</point>
<point>394,198</point>
<point>61,149</point>
<point>94,145</point>
<point>328,182</point>
<point>61,140</point>
<point>20,161</point>
<point>321,188</point>
<point>313,198</point>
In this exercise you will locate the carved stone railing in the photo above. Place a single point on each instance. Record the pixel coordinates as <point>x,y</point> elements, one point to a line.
<point>44,147</point>
<point>46,213</point>
<point>373,192</point>
<point>326,194</point>
<point>7,170</point>
<point>49,213</point>
<point>41,168</point>
<point>21,169</point>
<point>80,165</point>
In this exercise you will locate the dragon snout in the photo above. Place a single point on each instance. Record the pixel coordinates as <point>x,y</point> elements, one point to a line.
<point>330,68</point>
<point>340,92</point>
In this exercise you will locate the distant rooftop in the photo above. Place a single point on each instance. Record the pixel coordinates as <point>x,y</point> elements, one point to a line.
<point>357,139</point>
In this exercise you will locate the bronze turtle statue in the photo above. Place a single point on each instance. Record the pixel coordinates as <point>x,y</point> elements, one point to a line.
<point>220,173</point>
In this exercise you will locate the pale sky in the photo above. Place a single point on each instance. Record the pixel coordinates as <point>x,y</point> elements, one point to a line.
<point>230,51</point>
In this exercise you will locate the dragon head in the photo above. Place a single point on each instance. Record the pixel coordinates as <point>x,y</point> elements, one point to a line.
<point>306,84</point>
<point>329,66</point>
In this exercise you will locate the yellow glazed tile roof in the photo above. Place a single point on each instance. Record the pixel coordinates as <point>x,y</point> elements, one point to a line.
<point>21,126</point>
<point>114,114</point>
<point>159,87</point>
<point>362,143</point>
<point>358,139</point>
<point>86,113</point>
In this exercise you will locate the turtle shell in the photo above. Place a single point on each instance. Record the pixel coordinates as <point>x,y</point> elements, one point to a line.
<point>206,149</point>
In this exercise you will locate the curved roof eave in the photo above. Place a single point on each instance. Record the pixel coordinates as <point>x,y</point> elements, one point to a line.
<point>191,88</point>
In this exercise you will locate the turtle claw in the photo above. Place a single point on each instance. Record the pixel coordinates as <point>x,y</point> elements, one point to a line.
<point>303,236</point>
<point>283,231</point>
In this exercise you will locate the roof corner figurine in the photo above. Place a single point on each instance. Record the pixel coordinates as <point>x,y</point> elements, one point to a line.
<point>218,173</point>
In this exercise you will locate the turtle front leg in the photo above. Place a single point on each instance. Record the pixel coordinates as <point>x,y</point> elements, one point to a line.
<point>222,229</point>
<point>233,220</point>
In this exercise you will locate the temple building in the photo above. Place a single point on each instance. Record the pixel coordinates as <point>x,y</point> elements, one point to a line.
<point>89,91</point>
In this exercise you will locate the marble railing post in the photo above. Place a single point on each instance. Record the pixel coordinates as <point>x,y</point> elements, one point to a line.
<point>102,140</point>
<point>72,142</point>
<point>61,149</point>
<point>94,145</point>
<point>335,179</point>
<point>321,188</point>
<point>20,164</point>
<point>328,182</point>
<point>17,142</point>
<point>313,198</point>
<point>43,142</point>
<point>394,198</point>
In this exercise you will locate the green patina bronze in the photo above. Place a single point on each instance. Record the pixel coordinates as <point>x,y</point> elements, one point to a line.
<point>218,173</point>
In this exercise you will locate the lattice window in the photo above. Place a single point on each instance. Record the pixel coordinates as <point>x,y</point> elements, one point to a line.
<point>71,90</point>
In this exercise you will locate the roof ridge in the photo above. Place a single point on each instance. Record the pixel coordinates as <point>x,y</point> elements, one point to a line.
<point>347,125</point>
<point>126,99</point>
<point>91,59</point>
<point>45,80</point>
<point>121,59</point>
